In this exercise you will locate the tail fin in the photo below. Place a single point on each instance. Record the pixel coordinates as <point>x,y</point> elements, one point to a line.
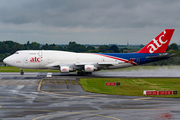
<point>159,44</point>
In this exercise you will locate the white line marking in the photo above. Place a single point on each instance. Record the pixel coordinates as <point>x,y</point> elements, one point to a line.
<point>49,75</point>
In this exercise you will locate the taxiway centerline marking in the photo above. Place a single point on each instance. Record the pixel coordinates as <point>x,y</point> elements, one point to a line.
<point>143,98</point>
<point>64,92</point>
<point>55,89</point>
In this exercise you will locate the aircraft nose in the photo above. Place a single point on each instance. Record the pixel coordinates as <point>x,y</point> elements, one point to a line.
<point>7,61</point>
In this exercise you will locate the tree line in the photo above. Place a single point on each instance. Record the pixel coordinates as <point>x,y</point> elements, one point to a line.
<point>9,47</point>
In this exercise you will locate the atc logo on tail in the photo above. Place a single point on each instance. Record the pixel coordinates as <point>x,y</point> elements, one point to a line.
<point>159,44</point>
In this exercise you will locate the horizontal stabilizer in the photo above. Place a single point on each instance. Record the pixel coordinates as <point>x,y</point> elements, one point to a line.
<point>160,56</point>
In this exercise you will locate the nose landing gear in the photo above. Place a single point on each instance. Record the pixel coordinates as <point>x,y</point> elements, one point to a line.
<point>22,73</point>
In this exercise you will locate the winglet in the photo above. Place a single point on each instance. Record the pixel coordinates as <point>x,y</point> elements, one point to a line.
<point>159,44</point>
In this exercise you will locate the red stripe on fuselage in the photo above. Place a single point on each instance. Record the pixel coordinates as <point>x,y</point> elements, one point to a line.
<point>126,61</point>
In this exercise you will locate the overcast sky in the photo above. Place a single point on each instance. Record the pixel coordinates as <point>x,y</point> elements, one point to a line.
<point>88,21</point>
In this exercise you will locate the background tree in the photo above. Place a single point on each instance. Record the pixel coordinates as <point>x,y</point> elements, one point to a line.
<point>114,48</point>
<point>16,47</point>
<point>45,47</point>
<point>73,47</point>
<point>58,47</point>
<point>173,46</point>
<point>34,46</point>
<point>103,48</point>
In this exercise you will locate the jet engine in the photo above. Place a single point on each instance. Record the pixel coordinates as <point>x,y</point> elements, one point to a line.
<point>64,69</point>
<point>89,68</point>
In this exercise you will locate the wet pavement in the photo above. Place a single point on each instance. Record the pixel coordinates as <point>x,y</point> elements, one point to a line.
<point>22,97</point>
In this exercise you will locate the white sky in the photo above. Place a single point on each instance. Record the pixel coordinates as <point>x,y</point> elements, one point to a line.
<point>88,21</point>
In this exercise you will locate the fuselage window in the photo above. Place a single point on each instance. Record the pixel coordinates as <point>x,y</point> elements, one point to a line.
<point>32,53</point>
<point>16,53</point>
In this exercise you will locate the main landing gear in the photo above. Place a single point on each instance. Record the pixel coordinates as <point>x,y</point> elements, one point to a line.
<point>22,73</point>
<point>84,73</point>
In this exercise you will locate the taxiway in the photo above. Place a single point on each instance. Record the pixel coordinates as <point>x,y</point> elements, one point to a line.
<point>23,97</point>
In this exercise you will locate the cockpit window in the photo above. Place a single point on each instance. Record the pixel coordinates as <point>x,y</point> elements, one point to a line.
<point>16,53</point>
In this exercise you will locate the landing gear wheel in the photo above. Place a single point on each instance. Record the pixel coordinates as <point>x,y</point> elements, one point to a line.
<point>22,73</point>
<point>80,73</point>
<point>84,73</point>
<point>88,73</point>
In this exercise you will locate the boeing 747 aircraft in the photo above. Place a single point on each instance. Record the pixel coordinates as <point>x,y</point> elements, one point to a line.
<point>86,63</point>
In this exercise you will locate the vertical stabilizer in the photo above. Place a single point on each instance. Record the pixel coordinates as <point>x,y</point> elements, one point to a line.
<point>159,44</point>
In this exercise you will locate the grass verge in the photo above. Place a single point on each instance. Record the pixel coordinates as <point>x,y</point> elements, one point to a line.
<point>131,86</point>
<point>14,69</point>
<point>135,68</point>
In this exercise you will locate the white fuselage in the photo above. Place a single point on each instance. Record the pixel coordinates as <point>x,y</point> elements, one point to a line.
<point>50,59</point>
<point>90,62</point>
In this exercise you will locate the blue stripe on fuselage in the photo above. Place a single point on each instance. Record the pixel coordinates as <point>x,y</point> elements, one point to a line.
<point>140,58</point>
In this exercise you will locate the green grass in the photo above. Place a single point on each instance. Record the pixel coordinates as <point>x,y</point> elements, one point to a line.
<point>139,67</point>
<point>131,86</point>
<point>14,69</point>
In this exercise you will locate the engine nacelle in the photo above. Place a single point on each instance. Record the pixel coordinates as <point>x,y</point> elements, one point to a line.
<point>89,68</point>
<point>64,69</point>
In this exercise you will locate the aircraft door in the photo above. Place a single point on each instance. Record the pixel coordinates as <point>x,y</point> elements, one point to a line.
<point>36,60</point>
<point>26,62</point>
<point>40,53</point>
<point>78,60</point>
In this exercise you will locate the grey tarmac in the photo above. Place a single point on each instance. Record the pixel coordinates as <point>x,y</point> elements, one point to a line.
<point>23,98</point>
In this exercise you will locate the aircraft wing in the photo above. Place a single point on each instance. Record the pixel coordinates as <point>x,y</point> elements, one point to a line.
<point>53,65</point>
<point>109,63</point>
<point>98,63</point>
<point>83,64</point>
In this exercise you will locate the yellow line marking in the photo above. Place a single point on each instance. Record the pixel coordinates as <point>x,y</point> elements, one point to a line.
<point>68,113</point>
<point>91,96</point>
<point>143,98</point>
<point>55,89</point>
<point>95,95</point>
<point>39,87</point>
<point>64,92</point>
<point>104,116</point>
<point>66,95</point>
